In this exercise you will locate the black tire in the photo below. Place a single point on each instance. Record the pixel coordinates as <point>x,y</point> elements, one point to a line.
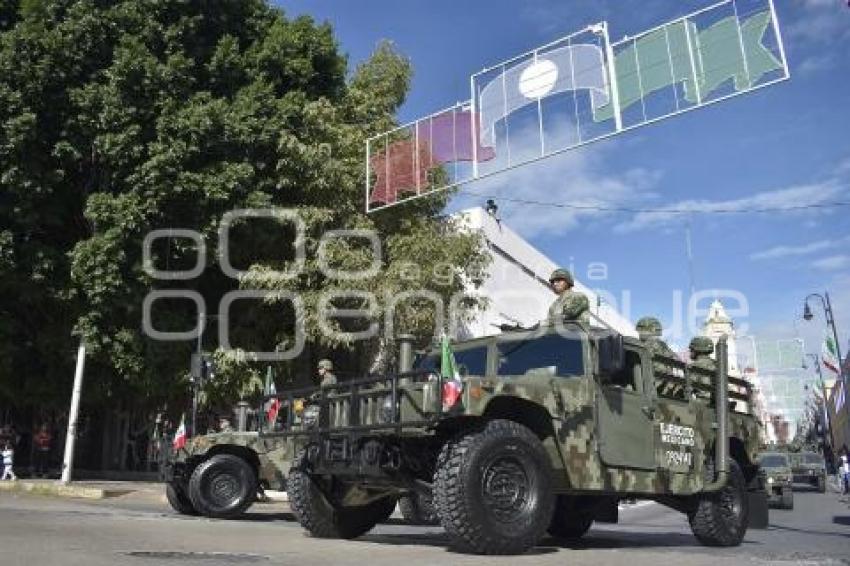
<point>223,486</point>
<point>569,521</point>
<point>493,489</point>
<point>821,484</point>
<point>320,518</point>
<point>418,510</point>
<point>178,500</point>
<point>720,518</point>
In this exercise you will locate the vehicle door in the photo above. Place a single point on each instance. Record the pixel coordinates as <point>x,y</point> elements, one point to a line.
<point>625,416</point>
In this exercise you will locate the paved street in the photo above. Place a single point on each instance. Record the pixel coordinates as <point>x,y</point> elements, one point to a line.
<point>36,531</point>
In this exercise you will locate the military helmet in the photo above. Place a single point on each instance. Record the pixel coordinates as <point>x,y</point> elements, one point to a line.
<point>326,364</point>
<point>649,325</point>
<point>701,345</point>
<point>561,273</point>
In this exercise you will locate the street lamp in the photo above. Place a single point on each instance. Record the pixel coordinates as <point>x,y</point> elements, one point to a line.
<point>830,322</point>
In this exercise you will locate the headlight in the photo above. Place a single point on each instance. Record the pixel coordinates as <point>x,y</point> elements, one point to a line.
<point>811,472</point>
<point>769,480</point>
<point>310,416</point>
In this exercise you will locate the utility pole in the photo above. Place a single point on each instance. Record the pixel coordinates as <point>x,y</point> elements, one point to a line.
<point>73,415</point>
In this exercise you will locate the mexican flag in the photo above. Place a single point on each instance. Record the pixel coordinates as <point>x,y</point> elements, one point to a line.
<point>274,406</point>
<point>452,386</point>
<point>829,355</point>
<point>180,436</point>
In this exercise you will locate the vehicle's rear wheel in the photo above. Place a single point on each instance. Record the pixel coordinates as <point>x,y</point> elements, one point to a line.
<point>178,499</point>
<point>223,486</point>
<point>570,521</point>
<point>720,518</point>
<point>418,510</point>
<point>493,489</point>
<point>321,518</point>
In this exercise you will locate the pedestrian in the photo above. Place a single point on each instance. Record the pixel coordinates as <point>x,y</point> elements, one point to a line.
<point>845,475</point>
<point>8,462</point>
<point>43,441</point>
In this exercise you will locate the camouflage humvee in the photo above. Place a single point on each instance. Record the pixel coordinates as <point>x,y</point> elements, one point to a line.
<point>777,469</point>
<point>219,474</point>
<point>546,430</point>
<point>810,468</point>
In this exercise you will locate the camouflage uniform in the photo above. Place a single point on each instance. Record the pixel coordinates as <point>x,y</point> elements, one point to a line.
<point>650,330</point>
<point>701,348</point>
<point>569,305</point>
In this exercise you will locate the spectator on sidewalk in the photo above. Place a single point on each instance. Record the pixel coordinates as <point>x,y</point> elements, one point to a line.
<point>43,441</point>
<point>8,462</point>
<point>844,474</point>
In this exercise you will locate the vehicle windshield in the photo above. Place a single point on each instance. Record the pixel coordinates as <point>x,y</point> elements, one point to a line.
<point>773,461</point>
<point>471,361</point>
<point>812,459</point>
<point>551,355</point>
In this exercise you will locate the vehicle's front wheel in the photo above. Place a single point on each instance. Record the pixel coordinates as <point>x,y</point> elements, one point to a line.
<point>720,518</point>
<point>570,521</point>
<point>418,510</point>
<point>821,484</point>
<point>787,498</point>
<point>321,518</point>
<point>178,499</point>
<point>223,486</point>
<point>493,489</point>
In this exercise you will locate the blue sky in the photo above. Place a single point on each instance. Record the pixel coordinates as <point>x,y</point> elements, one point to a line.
<point>786,145</point>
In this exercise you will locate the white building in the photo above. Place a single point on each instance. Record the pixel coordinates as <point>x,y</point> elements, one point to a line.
<point>718,324</point>
<point>517,284</point>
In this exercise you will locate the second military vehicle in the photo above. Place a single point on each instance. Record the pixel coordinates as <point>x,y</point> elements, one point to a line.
<point>809,468</point>
<point>544,431</point>
<point>218,475</point>
<point>777,469</point>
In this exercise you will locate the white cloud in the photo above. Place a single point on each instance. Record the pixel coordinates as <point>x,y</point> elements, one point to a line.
<point>832,263</point>
<point>816,64</point>
<point>579,178</point>
<point>788,198</point>
<point>820,21</point>
<point>787,251</point>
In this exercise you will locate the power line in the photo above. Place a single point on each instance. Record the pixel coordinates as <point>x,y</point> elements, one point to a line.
<point>601,208</point>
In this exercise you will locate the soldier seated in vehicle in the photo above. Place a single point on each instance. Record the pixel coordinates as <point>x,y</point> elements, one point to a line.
<point>701,348</point>
<point>650,330</point>
<point>569,305</point>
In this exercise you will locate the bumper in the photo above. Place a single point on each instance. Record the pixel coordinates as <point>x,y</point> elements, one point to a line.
<point>775,493</point>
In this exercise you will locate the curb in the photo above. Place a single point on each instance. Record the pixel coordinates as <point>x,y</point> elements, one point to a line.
<point>60,490</point>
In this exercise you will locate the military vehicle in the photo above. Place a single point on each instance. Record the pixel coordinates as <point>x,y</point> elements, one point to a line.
<point>219,475</point>
<point>777,469</point>
<point>809,468</point>
<point>545,431</point>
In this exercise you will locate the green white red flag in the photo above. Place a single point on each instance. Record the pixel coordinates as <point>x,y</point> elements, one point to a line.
<point>829,355</point>
<point>180,436</point>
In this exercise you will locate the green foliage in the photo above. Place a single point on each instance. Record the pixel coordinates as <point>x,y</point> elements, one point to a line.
<point>120,117</point>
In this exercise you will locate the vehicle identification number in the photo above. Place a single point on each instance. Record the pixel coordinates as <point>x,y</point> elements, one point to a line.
<point>677,434</point>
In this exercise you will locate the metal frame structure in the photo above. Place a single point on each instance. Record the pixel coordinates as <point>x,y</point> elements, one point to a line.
<point>610,49</point>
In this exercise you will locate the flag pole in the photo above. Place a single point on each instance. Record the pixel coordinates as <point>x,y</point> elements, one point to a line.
<point>71,435</point>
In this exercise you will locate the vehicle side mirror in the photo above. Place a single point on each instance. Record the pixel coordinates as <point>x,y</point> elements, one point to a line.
<point>612,354</point>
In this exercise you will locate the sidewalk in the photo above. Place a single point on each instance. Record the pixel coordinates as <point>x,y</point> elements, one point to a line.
<point>95,489</point>
<point>87,489</point>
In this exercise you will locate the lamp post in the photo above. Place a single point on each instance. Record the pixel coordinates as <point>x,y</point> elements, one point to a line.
<point>830,321</point>
<point>825,413</point>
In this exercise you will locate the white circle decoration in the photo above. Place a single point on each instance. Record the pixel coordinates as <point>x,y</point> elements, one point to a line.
<point>538,79</point>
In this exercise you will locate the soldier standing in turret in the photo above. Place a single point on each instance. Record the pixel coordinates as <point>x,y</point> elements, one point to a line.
<point>569,305</point>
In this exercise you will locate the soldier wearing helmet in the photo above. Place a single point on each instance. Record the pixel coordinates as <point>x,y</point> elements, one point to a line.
<point>701,348</point>
<point>649,329</point>
<point>569,305</point>
<point>325,374</point>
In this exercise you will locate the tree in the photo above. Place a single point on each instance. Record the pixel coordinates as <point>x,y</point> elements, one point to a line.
<point>122,117</point>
